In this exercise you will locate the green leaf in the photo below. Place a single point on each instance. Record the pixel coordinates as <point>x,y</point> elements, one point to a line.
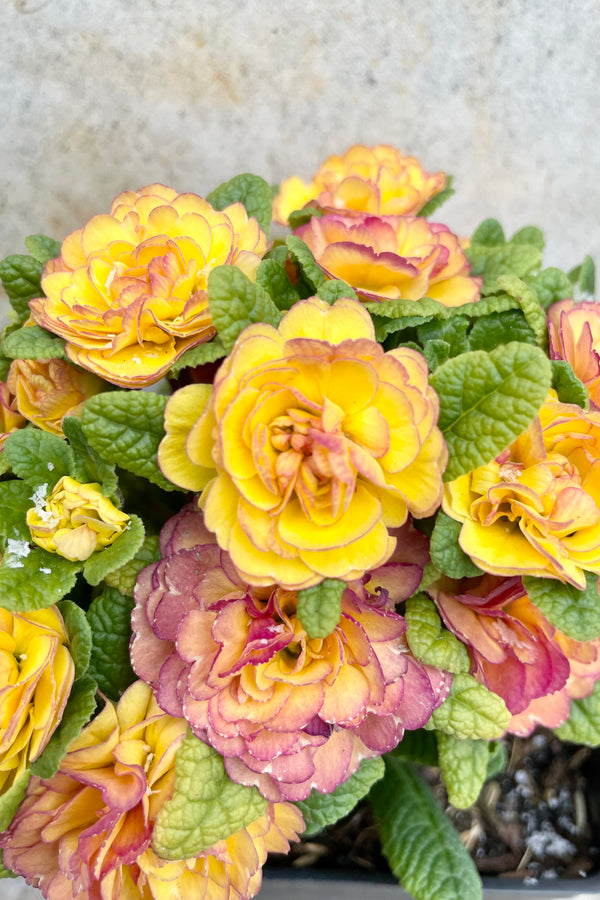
<point>208,352</point>
<point>423,849</point>
<point>236,302</point>
<point>78,712</point>
<point>20,276</point>
<point>452,331</point>
<point>33,342</point>
<point>272,276</point>
<point>489,234</point>
<point>88,466</point>
<point>42,247</point>
<point>429,640</point>
<point>302,254</point>
<point>251,190</point>
<point>126,427</point>
<point>471,711</point>
<point>464,768</point>
<point>529,303</point>
<point>575,613</point>
<point>103,562</point>
<point>38,457</point>
<point>551,285</point>
<point>109,617</point>
<point>567,385</point>
<point>583,724</point>
<point>301,216</point>
<point>330,291</point>
<point>11,799</point>
<point>529,235</point>
<point>419,746</point>
<point>320,810</point>
<point>501,328</point>
<point>446,553</point>
<point>35,581</point>
<point>206,805</point>
<point>497,759</point>
<point>487,400</point>
<point>80,635</point>
<point>320,607</point>
<point>15,500</point>
<point>434,204</point>
<point>435,353</point>
<point>124,578</point>
<point>5,364</point>
<point>587,275</point>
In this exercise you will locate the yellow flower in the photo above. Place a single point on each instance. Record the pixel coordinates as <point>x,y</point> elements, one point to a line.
<point>36,675</point>
<point>322,442</point>
<point>47,390</point>
<point>376,180</point>
<point>75,520</point>
<point>10,418</point>
<point>535,510</point>
<point>128,291</point>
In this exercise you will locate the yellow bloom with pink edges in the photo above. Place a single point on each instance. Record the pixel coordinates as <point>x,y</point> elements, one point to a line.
<point>312,445</point>
<point>128,291</point>
<point>10,417</point>
<point>535,509</point>
<point>574,334</point>
<point>47,390</point>
<point>87,831</point>
<point>36,676</point>
<point>377,180</point>
<point>75,520</point>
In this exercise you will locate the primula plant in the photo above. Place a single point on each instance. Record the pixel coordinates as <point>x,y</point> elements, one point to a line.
<point>281,520</point>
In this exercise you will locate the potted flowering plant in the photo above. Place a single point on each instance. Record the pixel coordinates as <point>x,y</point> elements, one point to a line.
<point>282,519</point>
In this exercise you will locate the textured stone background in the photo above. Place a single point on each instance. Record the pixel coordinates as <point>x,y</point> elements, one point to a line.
<point>97,97</point>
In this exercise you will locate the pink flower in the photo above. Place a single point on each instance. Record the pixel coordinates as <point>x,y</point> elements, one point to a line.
<point>287,712</point>
<point>574,332</point>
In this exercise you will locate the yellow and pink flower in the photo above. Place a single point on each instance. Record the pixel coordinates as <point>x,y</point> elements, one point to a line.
<point>311,446</point>
<point>288,712</point>
<point>10,417</point>
<point>87,831</point>
<point>392,257</point>
<point>574,332</point>
<point>535,509</point>
<point>128,291</point>
<point>36,676</point>
<point>376,180</point>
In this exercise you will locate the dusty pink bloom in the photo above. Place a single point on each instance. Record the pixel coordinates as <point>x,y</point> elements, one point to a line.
<point>574,332</point>
<point>287,712</point>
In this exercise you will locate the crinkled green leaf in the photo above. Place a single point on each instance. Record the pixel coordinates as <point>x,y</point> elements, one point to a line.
<point>251,190</point>
<point>435,353</point>
<point>500,328</point>
<point>206,805</point>
<point>575,613</point>
<point>330,291</point>
<point>272,276</point>
<point>124,578</point>
<point>109,617</point>
<point>320,607</point>
<point>38,457</point>
<point>208,352</point>
<point>422,847</point>
<point>42,247</point>
<point>529,303</point>
<point>530,235</point>
<point>320,810</point>
<point>110,558</point>
<point>88,466</point>
<point>434,204</point>
<point>10,799</point>
<point>583,724</point>
<point>33,342</point>
<point>20,275</point>
<point>126,427</point>
<point>419,746</point>
<point>446,553</point>
<point>550,286</point>
<point>236,302</point>
<point>471,711</point>
<point>301,216</point>
<point>78,712</point>
<point>429,640</point>
<point>488,234</point>
<point>4,369</point>
<point>15,500</point>
<point>464,767</point>
<point>80,635</point>
<point>487,400</point>
<point>567,385</point>
<point>305,259</point>
<point>35,581</point>
<point>452,331</point>
<point>507,259</point>
<point>585,274</point>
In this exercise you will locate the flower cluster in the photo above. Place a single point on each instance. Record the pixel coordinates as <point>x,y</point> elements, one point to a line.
<point>369,505</point>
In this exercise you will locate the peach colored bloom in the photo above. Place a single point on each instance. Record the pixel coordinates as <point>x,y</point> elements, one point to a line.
<point>47,390</point>
<point>392,257</point>
<point>75,520</point>
<point>36,675</point>
<point>320,443</point>
<point>535,510</point>
<point>128,291</point>
<point>574,332</point>
<point>376,180</point>
<point>86,832</point>
<point>288,712</point>
<point>10,417</point>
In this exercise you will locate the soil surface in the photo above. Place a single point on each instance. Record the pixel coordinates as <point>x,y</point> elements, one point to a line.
<point>538,819</point>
